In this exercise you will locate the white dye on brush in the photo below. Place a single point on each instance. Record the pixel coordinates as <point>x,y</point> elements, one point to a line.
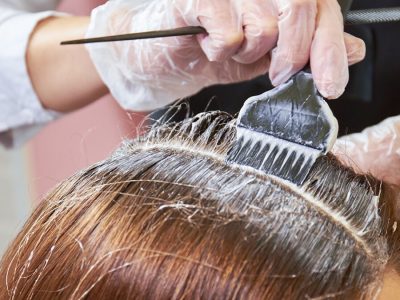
<point>269,151</point>
<point>283,131</point>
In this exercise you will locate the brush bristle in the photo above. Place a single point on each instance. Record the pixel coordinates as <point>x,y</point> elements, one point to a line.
<point>283,131</point>
<point>274,156</point>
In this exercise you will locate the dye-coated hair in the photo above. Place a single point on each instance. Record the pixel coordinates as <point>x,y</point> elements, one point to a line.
<point>166,218</point>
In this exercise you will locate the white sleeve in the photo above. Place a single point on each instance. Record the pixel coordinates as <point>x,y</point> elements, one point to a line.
<point>21,113</point>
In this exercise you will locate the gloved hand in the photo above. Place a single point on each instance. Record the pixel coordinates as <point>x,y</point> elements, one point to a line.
<point>376,150</point>
<point>147,74</point>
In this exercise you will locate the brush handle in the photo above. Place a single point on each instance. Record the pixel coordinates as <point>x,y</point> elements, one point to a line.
<point>190,30</point>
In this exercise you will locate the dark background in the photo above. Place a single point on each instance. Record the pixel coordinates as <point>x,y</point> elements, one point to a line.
<point>372,95</point>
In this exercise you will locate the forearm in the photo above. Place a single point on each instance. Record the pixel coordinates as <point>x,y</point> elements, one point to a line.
<point>63,77</point>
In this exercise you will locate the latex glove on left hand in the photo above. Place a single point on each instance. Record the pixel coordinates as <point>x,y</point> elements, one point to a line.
<point>148,74</point>
<point>376,150</point>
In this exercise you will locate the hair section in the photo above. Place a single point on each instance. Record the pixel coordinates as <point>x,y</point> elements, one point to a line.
<point>166,218</point>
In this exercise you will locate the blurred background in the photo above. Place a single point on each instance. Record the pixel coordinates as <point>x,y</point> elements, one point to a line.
<point>82,138</point>
<point>15,200</point>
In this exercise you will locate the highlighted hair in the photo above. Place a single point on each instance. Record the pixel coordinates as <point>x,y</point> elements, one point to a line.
<point>166,218</point>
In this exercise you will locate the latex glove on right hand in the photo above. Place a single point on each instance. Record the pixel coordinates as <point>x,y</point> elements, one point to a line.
<point>148,74</point>
<point>376,150</point>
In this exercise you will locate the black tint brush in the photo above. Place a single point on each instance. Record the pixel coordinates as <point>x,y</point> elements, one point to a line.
<point>283,131</point>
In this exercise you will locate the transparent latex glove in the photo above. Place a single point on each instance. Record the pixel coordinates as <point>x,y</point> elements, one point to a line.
<point>376,150</point>
<point>148,74</point>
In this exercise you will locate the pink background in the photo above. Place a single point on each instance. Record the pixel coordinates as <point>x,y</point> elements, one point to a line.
<point>81,138</point>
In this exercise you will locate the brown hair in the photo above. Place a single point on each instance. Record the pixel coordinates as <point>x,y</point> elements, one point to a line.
<point>166,218</point>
